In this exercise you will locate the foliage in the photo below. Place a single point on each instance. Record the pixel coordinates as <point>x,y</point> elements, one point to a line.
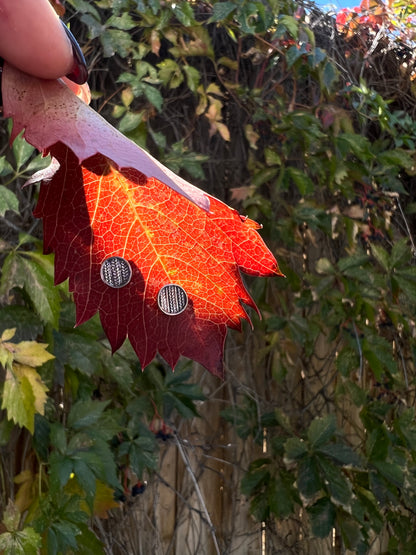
<point>251,100</point>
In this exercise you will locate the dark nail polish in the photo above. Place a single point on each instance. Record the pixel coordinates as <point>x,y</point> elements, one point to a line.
<point>79,73</point>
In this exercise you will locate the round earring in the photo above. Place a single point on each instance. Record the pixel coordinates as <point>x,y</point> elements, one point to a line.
<point>115,272</point>
<point>172,299</point>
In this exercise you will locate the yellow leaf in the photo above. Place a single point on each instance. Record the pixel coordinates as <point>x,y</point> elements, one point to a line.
<point>8,334</point>
<point>223,130</point>
<point>27,483</point>
<point>213,88</point>
<point>24,394</point>
<point>251,136</point>
<point>127,96</point>
<point>38,387</point>
<point>104,500</point>
<point>30,353</point>
<point>214,112</point>
<point>203,103</point>
<point>6,357</point>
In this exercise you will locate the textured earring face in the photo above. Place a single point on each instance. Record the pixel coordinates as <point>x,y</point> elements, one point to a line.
<point>172,299</point>
<point>115,272</point>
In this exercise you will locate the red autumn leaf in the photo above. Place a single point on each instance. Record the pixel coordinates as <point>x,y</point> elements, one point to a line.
<point>98,205</point>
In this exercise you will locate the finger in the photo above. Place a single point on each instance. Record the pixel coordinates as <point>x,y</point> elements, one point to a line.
<point>33,39</point>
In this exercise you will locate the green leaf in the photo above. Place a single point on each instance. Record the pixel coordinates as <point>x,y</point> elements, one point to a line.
<point>377,445</point>
<point>322,516</point>
<point>322,430</point>
<point>29,326</point>
<point>78,351</point>
<point>193,77</point>
<point>336,483</point>
<point>142,455</point>
<point>22,151</point>
<point>354,261</point>
<point>378,352</point>
<point>355,393</point>
<point>400,253</point>
<point>58,437</point>
<point>357,144</point>
<point>124,22</point>
<point>309,480</point>
<point>264,175</point>
<point>370,504</point>
<point>281,497</point>
<point>406,280</point>
<point>29,273</point>
<point>88,543</point>
<point>61,467</point>
<point>221,10</point>
<point>316,57</point>
<point>184,12</point>
<point>170,73</point>
<point>397,157</point>
<point>390,471</point>
<point>86,413</point>
<point>287,23</point>
<point>6,429</point>
<point>304,184</point>
<point>295,449</point>
<point>324,266</point>
<point>5,167</point>
<point>350,531</point>
<point>130,121</point>
<point>38,163</point>
<point>86,479</point>
<point>260,507</point>
<point>329,75</point>
<point>381,256</point>
<point>8,201</point>
<point>153,96</point>
<point>347,361</point>
<point>257,476</point>
<point>41,437</point>
<point>341,454</point>
<point>183,405</point>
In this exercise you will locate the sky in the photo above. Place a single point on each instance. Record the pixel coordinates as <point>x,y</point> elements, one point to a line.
<point>338,3</point>
<point>346,3</point>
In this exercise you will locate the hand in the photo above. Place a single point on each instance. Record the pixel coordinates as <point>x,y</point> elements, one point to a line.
<point>33,39</point>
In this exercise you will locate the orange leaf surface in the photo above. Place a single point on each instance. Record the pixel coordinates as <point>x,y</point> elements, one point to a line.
<point>96,207</point>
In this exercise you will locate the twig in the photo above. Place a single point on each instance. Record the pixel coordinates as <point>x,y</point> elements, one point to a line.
<point>360,352</point>
<point>407,227</point>
<point>187,463</point>
<point>99,525</point>
<point>406,379</point>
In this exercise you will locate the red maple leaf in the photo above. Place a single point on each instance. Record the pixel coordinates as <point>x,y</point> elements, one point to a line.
<point>105,197</point>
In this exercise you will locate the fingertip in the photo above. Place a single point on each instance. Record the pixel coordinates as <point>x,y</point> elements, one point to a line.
<point>33,40</point>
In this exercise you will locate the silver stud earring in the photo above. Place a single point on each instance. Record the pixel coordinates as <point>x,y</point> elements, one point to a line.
<point>172,299</point>
<point>115,272</point>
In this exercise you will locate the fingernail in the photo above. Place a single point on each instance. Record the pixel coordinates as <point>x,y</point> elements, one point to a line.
<point>79,73</point>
